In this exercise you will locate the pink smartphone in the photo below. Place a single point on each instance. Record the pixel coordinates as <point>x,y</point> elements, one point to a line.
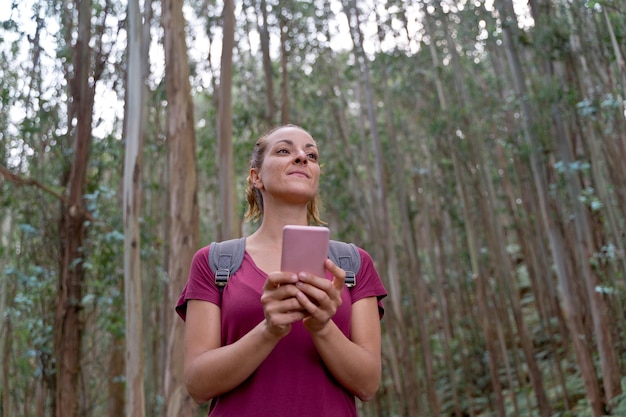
<point>305,248</point>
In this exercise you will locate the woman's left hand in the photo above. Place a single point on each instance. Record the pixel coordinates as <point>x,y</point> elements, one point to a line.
<point>320,297</point>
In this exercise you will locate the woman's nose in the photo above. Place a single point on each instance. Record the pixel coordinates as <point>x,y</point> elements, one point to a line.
<point>301,157</point>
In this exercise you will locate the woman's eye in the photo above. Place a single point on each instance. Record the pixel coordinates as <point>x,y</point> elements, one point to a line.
<point>312,156</point>
<point>282,150</point>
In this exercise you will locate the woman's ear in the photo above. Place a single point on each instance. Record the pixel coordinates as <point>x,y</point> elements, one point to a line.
<point>255,178</point>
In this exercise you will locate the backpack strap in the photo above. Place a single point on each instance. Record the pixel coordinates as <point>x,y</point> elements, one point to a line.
<point>225,258</point>
<point>347,257</point>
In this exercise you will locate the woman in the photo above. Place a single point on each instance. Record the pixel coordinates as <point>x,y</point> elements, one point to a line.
<point>275,343</point>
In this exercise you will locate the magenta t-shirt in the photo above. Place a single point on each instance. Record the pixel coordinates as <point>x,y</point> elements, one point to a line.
<point>292,380</point>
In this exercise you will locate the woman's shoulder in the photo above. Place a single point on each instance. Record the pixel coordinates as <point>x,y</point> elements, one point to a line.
<point>368,281</point>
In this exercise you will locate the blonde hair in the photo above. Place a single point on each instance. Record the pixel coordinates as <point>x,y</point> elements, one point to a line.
<point>254,197</point>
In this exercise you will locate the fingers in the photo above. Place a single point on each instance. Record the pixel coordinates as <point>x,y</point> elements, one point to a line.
<point>320,297</point>
<point>338,274</point>
<point>319,291</point>
<point>288,298</point>
<point>276,279</point>
<point>279,293</point>
<point>338,282</point>
<point>280,304</point>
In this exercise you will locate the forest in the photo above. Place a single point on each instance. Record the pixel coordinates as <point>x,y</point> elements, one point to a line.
<point>475,148</point>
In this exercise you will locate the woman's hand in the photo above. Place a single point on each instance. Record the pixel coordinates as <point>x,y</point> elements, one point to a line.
<point>280,305</point>
<point>320,297</point>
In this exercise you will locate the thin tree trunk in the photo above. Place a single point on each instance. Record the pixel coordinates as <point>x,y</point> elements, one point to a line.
<point>504,270</point>
<point>226,173</point>
<point>583,247</point>
<point>474,179</point>
<point>115,383</point>
<point>343,146</point>
<point>414,269</point>
<point>470,232</point>
<point>619,60</point>
<point>556,240</point>
<point>383,224</point>
<point>69,326</point>
<point>536,265</point>
<point>485,312</point>
<point>6,236</point>
<point>183,218</point>
<point>284,59</point>
<point>599,173</point>
<point>531,240</point>
<point>500,332</point>
<point>132,196</point>
<point>434,240</point>
<point>264,38</point>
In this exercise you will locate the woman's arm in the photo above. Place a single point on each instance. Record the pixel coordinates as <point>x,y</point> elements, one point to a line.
<point>211,369</point>
<point>354,362</point>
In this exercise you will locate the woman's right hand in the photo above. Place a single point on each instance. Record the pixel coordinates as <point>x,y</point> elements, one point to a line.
<point>280,305</point>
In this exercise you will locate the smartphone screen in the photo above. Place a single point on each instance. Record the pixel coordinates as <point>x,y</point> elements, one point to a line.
<point>305,248</point>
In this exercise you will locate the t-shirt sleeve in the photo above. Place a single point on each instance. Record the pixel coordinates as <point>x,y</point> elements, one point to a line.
<point>200,283</point>
<point>368,282</point>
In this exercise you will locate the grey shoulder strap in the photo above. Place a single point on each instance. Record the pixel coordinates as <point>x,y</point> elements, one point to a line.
<point>225,258</point>
<point>347,257</point>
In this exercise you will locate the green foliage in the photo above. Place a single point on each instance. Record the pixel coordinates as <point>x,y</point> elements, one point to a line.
<point>481,128</point>
<point>618,404</point>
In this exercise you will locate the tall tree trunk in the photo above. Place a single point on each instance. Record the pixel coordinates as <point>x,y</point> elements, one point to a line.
<point>6,235</point>
<point>414,269</point>
<point>534,253</point>
<point>435,248</point>
<point>434,219</point>
<point>6,337</point>
<point>485,311</point>
<point>132,195</point>
<point>284,59</point>
<point>264,38</point>
<point>382,226</point>
<point>621,64</point>
<point>183,219</point>
<point>600,312</point>
<point>487,207</point>
<point>471,234</point>
<point>226,172</point>
<point>115,385</point>
<point>583,247</point>
<point>69,326</point>
<point>557,245</point>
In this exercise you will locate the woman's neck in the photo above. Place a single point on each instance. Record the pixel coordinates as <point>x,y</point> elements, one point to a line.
<point>270,231</point>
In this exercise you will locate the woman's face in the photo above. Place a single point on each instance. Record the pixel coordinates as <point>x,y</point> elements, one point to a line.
<point>290,170</point>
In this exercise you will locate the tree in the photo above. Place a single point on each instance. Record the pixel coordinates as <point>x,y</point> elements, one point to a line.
<point>229,222</point>
<point>183,219</point>
<point>556,240</point>
<point>381,207</point>
<point>86,71</point>
<point>264,38</point>
<point>480,145</point>
<point>132,196</point>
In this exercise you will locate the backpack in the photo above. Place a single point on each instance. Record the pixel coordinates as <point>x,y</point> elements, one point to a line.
<point>226,257</point>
